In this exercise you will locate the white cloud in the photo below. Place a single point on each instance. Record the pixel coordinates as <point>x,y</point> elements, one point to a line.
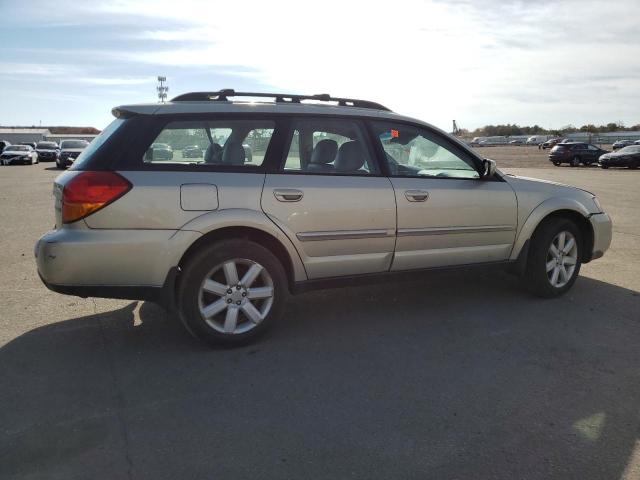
<point>551,63</point>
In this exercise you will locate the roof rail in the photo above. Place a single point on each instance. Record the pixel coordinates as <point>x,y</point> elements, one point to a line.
<point>223,96</point>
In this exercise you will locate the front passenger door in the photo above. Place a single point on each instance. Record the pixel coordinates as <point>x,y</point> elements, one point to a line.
<point>447,214</point>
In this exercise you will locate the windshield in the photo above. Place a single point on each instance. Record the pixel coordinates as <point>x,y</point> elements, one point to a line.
<point>47,145</point>
<point>17,148</point>
<point>630,149</point>
<point>74,144</point>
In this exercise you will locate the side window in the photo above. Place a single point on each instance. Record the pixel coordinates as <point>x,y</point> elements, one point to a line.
<point>591,147</point>
<point>413,152</point>
<point>329,146</point>
<point>219,142</point>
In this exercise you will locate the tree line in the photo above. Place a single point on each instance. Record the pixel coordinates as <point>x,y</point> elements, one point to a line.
<point>513,129</point>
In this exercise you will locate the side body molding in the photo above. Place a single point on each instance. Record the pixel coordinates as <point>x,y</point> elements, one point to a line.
<point>240,217</point>
<point>539,213</point>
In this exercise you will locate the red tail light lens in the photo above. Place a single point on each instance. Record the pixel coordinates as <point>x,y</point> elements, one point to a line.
<point>88,192</point>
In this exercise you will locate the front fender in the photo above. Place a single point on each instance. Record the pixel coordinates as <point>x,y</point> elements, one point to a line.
<point>245,218</point>
<point>539,213</point>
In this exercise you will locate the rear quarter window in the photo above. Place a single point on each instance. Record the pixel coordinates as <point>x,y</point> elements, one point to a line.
<point>97,142</point>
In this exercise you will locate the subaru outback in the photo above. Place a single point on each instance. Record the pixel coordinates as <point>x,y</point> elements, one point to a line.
<point>336,191</point>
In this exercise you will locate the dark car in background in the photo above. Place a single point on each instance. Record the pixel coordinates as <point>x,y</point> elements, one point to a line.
<point>621,144</point>
<point>551,143</point>
<point>4,143</point>
<point>625,157</point>
<point>69,151</point>
<point>48,151</point>
<point>23,154</point>
<point>192,151</point>
<point>159,151</point>
<point>575,153</point>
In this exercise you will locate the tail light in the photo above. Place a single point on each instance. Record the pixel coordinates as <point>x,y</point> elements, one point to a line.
<point>88,192</point>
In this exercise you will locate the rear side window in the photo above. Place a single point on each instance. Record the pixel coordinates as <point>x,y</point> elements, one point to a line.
<point>95,144</point>
<point>329,146</point>
<point>221,142</point>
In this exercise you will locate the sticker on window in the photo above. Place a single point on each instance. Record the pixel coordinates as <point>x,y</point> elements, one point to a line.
<point>394,133</point>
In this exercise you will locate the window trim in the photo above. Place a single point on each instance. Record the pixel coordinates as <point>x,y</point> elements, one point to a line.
<point>361,123</point>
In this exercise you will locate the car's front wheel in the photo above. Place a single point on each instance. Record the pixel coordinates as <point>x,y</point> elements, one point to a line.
<point>557,164</point>
<point>554,257</point>
<point>231,292</point>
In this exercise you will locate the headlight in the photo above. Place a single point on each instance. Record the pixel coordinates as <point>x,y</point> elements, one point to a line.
<point>597,203</point>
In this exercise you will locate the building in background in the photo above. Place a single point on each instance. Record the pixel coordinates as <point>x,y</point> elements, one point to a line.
<point>18,135</point>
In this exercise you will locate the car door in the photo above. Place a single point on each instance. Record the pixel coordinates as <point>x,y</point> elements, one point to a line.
<point>594,153</point>
<point>329,198</point>
<point>447,215</point>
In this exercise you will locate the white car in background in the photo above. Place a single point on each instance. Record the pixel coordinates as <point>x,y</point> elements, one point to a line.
<point>24,154</point>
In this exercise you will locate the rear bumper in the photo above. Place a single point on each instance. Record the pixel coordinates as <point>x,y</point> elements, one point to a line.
<point>110,263</point>
<point>602,234</point>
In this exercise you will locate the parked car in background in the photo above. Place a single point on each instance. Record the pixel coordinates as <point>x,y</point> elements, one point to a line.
<point>536,139</point>
<point>192,152</point>
<point>4,143</point>
<point>31,144</point>
<point>159,151</point>
<point>625,157</point>
<point>224,242</point>
<point>575,153</point>
<point>69,151</point>
<point>23,154</point>
<point>48,151</point>
<point>517,141</point>
<point>551,143</point>
<point>637,142</point>
<point>621,144</point>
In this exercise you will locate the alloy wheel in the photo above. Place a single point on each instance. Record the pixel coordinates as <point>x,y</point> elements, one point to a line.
<point>562,258</point>
<point>236,296</point>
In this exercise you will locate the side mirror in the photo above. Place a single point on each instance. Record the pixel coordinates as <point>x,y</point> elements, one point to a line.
<point>488,167</point>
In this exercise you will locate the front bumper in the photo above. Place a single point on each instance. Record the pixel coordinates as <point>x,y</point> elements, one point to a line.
<point>12,160</point>
<point>602,234</point>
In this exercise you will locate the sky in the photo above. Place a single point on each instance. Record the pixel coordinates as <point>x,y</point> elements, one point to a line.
<point>551,63</point>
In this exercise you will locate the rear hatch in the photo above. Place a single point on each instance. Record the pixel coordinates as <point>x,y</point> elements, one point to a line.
<point>560,151</point>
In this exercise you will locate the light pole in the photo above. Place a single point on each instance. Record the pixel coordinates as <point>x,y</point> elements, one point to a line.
<point>162,89</point>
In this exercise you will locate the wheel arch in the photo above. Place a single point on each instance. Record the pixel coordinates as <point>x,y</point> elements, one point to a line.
<point>557,208</point>
<point>253,226</point>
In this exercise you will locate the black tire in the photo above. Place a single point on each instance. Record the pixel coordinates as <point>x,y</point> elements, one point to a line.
<point>633,165</point>
<point>536,277</point>
<point>198,268</point>
<point>604,167</point>
<point>575,161</point>
<point>557,164</point>
<point>59,165</point>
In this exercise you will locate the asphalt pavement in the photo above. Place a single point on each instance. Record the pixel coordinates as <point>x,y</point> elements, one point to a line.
<point>455,376</point>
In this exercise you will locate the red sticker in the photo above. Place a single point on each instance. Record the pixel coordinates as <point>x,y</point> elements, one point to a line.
<point>395,133</point>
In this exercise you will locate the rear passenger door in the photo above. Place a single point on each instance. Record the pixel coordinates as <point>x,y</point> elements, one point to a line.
<point>329,198</point>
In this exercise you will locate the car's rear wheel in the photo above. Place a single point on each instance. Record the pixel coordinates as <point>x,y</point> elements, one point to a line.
<point>575,161</point>
<point>554,257</point>
<point>231,292</point>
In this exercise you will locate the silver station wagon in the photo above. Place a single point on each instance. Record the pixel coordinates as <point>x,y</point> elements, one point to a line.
<point>294,192</point>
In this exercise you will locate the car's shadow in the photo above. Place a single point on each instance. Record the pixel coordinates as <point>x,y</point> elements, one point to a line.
<point>454,376</point>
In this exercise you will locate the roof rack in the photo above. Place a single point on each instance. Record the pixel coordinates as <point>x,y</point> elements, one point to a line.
<point>222,96</point>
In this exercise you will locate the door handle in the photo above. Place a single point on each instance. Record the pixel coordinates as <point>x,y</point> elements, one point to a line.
<point>288,194</point>
<point>416,195</point>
